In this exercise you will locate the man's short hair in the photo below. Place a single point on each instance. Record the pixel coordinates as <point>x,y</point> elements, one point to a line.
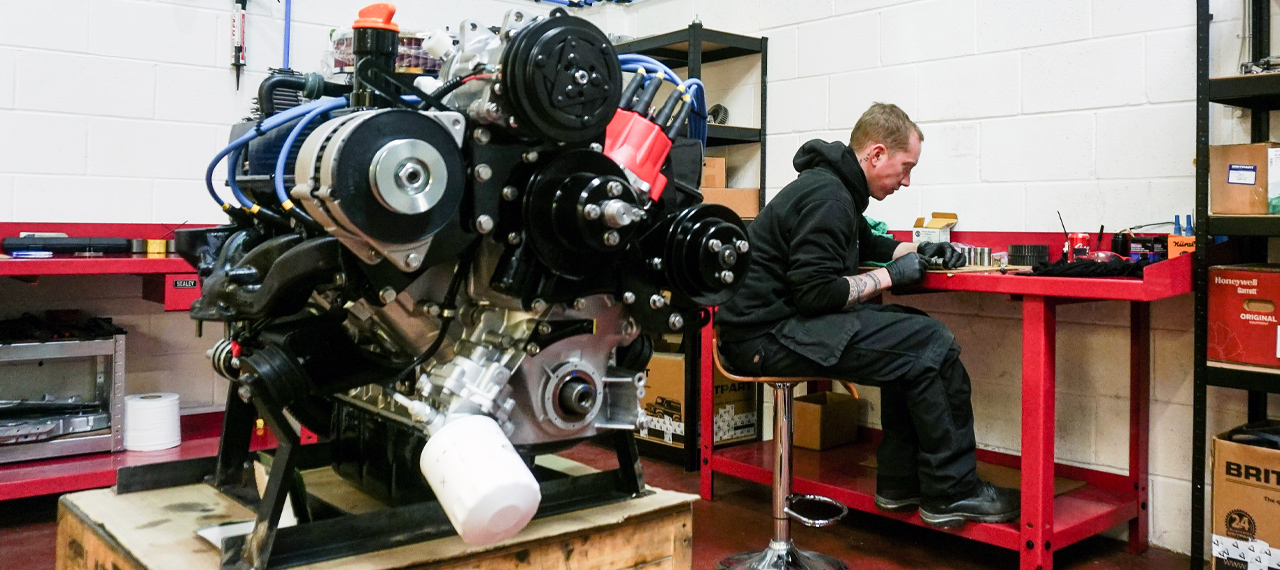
<point>884,123</point>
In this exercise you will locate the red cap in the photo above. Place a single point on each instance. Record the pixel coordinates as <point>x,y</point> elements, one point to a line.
<point>377,16</point>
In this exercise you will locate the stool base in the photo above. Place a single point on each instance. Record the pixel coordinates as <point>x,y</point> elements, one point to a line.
<point>781,556</point>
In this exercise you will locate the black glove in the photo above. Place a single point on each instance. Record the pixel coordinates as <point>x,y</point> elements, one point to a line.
<point>950,256</point>
<point>907,269</point>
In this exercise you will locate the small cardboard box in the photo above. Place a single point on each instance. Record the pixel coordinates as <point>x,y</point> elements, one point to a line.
<point>1239,177</point>
<point>1243,317</point>
<point>824,420</point>
<point>936,230</point>
<point>664,410</point>
<point>744,201</point>
<point>1246,497</point>
<point>713,172</point>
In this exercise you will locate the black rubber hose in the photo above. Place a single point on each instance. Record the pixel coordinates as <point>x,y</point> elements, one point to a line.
<point>316,87</point>
<point>629,94</point>
<point>268,87</point>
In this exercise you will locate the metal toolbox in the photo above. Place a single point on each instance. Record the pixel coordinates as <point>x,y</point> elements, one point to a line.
<point>61,398</point>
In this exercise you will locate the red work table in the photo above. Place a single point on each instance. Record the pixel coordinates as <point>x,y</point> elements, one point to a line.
<point>1048,522</point>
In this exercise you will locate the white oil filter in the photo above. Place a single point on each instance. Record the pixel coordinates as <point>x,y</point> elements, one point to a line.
<point>151,422</point>
<point>481,482</point>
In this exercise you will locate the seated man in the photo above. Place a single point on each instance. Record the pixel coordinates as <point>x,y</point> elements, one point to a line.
<point>801,312</point>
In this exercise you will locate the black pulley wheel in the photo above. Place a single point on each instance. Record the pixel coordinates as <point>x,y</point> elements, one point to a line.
<point>552,218</point>
<point>561,79</point>
<point>353,187</point>
<point>707,275</point>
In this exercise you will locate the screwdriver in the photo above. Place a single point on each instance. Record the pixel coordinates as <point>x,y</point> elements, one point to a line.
<point>237,37</point>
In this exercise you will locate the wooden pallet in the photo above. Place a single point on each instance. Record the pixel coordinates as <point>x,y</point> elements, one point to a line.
<point>155,530</point>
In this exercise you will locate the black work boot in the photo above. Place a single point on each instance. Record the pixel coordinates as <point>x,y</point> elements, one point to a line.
<point>897,500</point>
<point>988,503</point>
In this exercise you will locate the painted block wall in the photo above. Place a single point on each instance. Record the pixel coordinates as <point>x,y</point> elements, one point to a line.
<point>1029,107</point>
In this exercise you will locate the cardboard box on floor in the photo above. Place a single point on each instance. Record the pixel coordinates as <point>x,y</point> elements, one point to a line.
<point>665,413</point>
<point>1240,178</point>
<point>824,420</point>
<point>937,229</point>
<point>1246,497</point>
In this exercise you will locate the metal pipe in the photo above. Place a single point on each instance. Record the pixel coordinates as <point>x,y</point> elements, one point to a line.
<point>783,403</point>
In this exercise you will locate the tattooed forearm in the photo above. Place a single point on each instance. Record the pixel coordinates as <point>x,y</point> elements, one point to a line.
<point>865,286</point>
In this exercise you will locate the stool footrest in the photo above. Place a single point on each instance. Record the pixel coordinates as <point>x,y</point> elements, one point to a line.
<point>815,522</point>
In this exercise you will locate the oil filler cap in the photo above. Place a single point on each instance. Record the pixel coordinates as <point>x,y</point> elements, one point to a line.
<point>377,16</point>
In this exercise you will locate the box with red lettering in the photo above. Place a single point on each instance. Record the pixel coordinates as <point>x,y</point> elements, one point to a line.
<point>1243,321</point>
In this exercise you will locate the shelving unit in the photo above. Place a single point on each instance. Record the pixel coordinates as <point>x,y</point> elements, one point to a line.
<point>1261,95</point>
<point>690,48</point>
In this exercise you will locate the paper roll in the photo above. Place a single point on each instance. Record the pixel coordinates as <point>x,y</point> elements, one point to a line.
<point>151,422</point>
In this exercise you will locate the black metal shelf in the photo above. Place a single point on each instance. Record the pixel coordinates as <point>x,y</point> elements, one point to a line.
<point>1258,92</point>
<point>673,48</point>
<point>1242,378</point>
<point>721,135</point>
<point>1244,225</point>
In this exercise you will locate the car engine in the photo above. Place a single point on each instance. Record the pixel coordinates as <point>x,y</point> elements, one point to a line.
<point>459,273</point>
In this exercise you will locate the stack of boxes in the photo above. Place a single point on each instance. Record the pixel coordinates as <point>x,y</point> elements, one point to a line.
<point>744,201</point>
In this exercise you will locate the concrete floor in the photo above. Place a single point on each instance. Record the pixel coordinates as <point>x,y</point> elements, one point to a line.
<point>736,521</point>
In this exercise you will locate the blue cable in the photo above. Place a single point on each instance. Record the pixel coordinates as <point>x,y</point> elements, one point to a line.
<point>697,119</point>
<point>267,124</point>
<point>288,145</point>
<point>233,161</point>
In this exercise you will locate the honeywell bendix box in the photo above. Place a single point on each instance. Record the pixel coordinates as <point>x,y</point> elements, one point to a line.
<point>1243,320</point>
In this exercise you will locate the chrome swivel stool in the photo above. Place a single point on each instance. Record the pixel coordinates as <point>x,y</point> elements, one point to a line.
<point>782,553</point>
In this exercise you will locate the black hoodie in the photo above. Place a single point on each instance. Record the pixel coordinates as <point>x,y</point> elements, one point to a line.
<point>803,244</point>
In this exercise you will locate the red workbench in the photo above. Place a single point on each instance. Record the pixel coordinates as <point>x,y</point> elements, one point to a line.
<point>1047,522</point>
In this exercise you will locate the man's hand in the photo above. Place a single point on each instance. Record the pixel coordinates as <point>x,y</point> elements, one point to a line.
<point>907,269</point>
<point>950,256</point>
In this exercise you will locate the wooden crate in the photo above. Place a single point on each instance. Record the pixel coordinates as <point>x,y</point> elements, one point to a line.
<point>155,530</point>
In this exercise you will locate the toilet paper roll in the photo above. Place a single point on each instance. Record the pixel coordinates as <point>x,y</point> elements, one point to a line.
<point>151,422</point>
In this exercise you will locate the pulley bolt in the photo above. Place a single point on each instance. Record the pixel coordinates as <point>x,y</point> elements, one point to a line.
<point>580,304</point>
<point>483,172</point>
<point>742,245</point>
<point>628,297</point>
<point>592,211</point>
<point>597,147</point>
<point>615,189</point>
<point>544,328</point>
<point>387,294</point>
<point>513,238</point>
<point>611,238</point>
<point>657,301</point>
<point>510,193</point>
<point>531,156</point>
<point>532,349</point>
<point>484,224</point>
<point>539,305</point>
<point>481,136</point>
<point>726,277</point>
<point>655,264</point>
<point>714,245</point>
<point>581,77</point>
<point>676,322</point>
<point>728,257</point>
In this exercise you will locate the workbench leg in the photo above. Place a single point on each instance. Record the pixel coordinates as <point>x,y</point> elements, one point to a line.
<point>1139,417</point>
<point>706,411</point>
<point>1039,328</point>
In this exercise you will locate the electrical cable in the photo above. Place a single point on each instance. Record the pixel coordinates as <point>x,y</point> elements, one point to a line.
<point>629,94</point>
<point>447,309</point>
<point>698,127</point>
<point>265,125</point>
<point>283,159</point>
<point>453,84</point>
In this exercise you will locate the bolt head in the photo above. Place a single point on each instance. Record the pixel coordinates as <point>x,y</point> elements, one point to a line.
<point>714,245</point>
<point>544,328</point>
<point>513,238</point>
<point>591,211</point>
<point>413,260</point>
<point>531,156</point>
<point>387,294</point>
<point>484,224</point>
<point>580,304</point>
<point>483,172</point>
<point>532,349</point>
<point>657,301</point>
<point>628,297</point>
<point>582,77</point>
<point>481,136</point>
<point>742,245</point>
<point>597,147</point>
<point>245,393</point>
<point>611,238</point>
<point>726,277</point>
<point>539,305</point>
<point>615,189</point>
<point>676,322</point>
<point>511,122</point>
<point>510,193</point>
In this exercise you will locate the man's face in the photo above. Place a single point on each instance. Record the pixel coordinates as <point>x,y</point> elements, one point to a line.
<point>888,170</point>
